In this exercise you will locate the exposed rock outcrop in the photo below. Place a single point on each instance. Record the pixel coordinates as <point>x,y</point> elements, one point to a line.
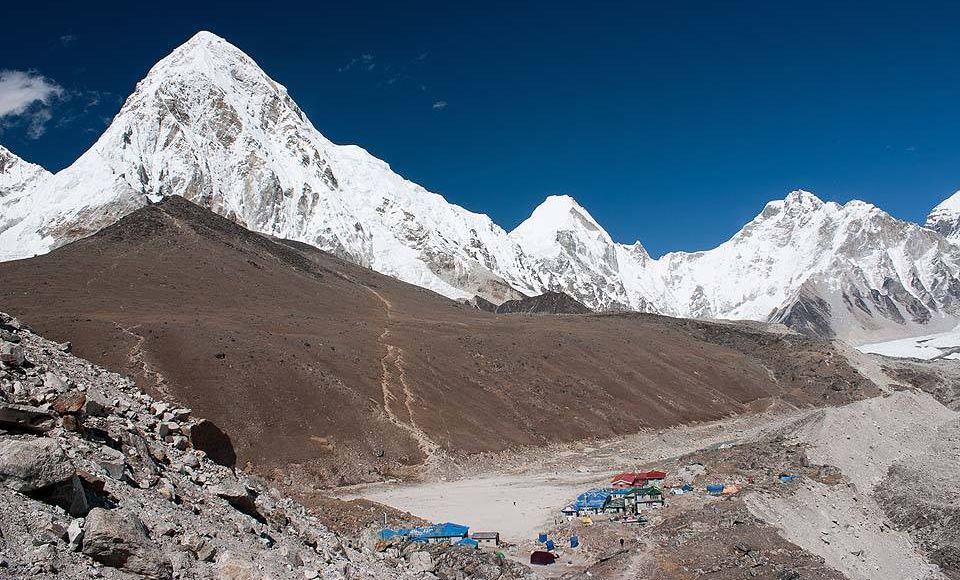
<point>119,539</point>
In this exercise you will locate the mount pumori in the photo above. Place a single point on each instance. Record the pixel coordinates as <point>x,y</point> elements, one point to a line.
<point>208,124</point>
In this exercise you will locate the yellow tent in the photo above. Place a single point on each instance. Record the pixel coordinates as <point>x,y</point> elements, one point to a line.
<point>730,489</point>
<point>587,521</point>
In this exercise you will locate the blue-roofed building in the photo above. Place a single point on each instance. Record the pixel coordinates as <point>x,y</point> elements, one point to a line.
<point>435,534</point>
<point>613,500</point>
<point>590,502</point>
<point>388,533</point>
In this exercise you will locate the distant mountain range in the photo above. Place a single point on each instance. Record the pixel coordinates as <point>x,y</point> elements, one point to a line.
<point>208,124</point>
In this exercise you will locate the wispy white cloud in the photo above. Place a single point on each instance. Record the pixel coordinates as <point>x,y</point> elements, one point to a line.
<point>394,74</point>
<point>38,123</point>
<point>68,39</point>
<point>26,95</point>
<point>21,89</point>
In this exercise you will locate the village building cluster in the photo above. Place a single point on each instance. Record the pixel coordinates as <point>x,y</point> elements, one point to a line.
<point>447,533</point>
<point>629,494</point>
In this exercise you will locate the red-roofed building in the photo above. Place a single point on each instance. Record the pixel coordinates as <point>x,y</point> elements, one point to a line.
<point>638,479</point>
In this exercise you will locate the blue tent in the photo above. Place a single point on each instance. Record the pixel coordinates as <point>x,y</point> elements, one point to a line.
<point>469,542</point>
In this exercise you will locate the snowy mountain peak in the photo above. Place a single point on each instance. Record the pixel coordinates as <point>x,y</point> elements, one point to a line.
<point>208,124</point>
<point>803,198</point>
<point>562,207</point>
<point>539,233</point>
<point>212,56</point>
<point>204,37</point>
<point>17,175</point>
<point>573,254</point>
<point>945,218</point>
<point>951,204</point>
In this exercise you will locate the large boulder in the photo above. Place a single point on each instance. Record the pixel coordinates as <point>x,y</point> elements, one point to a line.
<point>28,465</point>
<point>420,562</point>
<point>232,566</point>
<point>143,467</point>
<point>26,418</point>
<point>96,403</point>
<point>210,439</point>
<point>69,403</point>
<point>52,382</point>
<point>240,497</point>
<point>11,354</point>
<point>118,539</point>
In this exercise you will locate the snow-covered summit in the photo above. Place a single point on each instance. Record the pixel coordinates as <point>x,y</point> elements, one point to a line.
<point>208,124</point>
<point>876,273</point>
<point>572,253</point>
<point>540,234</point>
<point>945,218</point>
<point>17,175</point>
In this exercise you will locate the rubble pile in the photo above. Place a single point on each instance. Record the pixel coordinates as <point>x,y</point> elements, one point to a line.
<point>444,562</point>
<point>99,480</point>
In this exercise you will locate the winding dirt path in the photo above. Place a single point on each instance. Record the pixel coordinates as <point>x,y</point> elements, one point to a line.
<point>392,377</point>
<point>137,359</point>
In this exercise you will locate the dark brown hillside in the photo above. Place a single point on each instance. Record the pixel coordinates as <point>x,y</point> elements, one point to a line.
<point>306,360</point>
<point>546,303</point>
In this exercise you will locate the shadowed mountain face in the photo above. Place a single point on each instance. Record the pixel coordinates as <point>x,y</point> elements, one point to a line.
<point>319,368</point>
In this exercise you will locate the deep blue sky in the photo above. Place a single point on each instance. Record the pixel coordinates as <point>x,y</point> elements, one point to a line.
<point>672,122</point>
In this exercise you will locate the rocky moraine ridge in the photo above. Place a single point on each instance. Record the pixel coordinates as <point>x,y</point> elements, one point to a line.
<point>100,480</point>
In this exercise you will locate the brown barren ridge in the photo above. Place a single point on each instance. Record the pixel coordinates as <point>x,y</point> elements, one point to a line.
<point>315,366</point>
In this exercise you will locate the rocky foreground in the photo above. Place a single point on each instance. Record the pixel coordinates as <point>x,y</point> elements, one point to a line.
<point>99,480</point>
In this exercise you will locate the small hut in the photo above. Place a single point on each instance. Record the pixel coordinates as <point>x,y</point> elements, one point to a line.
<point>487,539</point>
